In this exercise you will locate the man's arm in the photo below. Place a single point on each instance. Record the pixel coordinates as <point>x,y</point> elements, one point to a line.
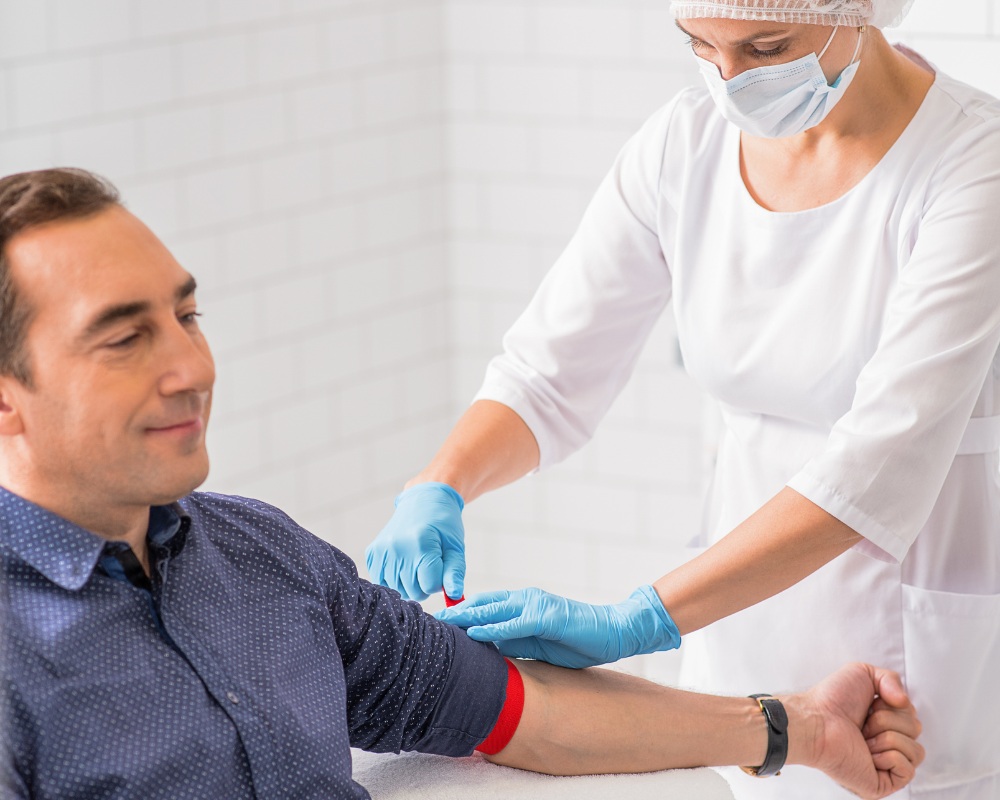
<point>597,721</point>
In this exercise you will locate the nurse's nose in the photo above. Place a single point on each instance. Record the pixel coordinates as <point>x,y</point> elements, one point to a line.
<point>729,67</point>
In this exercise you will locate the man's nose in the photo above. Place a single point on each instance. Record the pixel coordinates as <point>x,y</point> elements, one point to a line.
<point>187,363</point>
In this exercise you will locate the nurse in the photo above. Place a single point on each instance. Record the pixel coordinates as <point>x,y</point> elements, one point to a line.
<point>823,220</point>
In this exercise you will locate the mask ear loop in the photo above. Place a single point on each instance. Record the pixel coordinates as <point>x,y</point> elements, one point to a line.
<point>857,48</point>
<point>828,43</point>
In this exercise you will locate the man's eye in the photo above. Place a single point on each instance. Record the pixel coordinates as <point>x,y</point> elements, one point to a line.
<point>122,344</point>
<point>190,318</point>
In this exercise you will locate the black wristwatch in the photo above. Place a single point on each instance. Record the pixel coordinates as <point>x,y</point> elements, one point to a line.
<point>777,737</point>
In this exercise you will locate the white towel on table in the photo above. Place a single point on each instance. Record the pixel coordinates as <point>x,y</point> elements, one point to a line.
<point>414,776</point>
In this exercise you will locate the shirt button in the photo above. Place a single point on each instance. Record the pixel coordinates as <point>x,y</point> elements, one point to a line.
<point>233,698</point>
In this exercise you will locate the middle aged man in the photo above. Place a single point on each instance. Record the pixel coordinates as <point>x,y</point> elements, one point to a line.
<point>161,643</point>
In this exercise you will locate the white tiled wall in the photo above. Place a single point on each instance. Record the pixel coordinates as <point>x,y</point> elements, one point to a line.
<point>291,154</point>
<point>368,192</point>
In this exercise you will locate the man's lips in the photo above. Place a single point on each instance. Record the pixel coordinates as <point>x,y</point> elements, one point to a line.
<point>192,425</point>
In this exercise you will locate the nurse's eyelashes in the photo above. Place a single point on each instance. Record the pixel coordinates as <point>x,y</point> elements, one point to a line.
<point>754,52</point>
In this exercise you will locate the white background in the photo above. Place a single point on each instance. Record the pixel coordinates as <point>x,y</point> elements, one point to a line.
<point>368,192</point>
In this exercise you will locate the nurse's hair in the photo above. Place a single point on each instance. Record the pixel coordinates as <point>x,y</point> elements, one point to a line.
<point>27,200</point>
<point>850,13</point>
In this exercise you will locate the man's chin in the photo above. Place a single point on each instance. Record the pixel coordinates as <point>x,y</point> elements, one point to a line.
<point>173,489</point>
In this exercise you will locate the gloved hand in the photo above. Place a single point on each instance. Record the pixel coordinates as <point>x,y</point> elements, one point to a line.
<point>530,623</point>
<point>422,548</point>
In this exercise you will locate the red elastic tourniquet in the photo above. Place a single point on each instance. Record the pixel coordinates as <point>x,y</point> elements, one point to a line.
<point>448,602</point>
<point>510,714</point>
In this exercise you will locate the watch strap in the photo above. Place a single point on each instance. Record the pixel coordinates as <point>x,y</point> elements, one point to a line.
<point>777,737</point>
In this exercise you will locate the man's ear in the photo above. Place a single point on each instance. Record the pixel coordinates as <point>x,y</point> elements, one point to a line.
<point>11,423</point>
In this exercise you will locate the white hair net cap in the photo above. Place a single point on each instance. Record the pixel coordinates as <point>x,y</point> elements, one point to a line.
<point>877,13</point>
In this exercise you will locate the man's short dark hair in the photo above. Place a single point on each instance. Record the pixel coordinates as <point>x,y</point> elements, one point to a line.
<point>27,200</point>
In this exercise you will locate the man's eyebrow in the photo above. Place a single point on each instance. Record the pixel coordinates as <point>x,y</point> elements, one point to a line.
<point>186,289</point>
<point>111,315</point>
<point>114,314</point>
<point>755,38</point>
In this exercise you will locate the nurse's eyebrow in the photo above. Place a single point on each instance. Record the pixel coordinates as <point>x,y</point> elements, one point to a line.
<point>775,32</point>
<point>113,314</point>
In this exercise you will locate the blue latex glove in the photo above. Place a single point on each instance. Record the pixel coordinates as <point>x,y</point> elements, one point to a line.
<point>422,548</point>
<point>530,623</point>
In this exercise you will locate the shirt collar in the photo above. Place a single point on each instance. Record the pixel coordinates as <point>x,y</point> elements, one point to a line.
<point>168,527</point>
<point>64,552</point>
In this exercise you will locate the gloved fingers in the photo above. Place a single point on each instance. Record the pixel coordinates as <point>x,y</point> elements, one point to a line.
<point>516,628</point>
<point>375,560</point>
<point>478,616</point>
<point>406,579</point>
<point>454,572</point>
<point>412,593</point>
<point>480,609</point>
<point>483,598</point>
<point>402,591</point>
<point>428,575</point>
<point>525,612</point>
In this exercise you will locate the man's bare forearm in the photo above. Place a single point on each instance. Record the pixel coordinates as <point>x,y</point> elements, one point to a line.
<point>489,447</point>
<point>598,721</point>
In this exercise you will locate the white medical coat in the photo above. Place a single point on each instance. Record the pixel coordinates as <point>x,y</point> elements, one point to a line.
<point>853,349</point>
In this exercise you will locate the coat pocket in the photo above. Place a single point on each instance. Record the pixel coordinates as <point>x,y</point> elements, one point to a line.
<point>952,646</point>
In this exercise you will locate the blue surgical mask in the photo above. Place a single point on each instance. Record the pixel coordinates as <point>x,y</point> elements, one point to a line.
<point>779,99</point>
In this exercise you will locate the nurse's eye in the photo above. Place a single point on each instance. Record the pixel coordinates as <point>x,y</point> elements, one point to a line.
<point>767,53</point>
<point>696,44</point>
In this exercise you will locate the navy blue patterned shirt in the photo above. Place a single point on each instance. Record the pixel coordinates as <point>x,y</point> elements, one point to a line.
<point>244,667</point>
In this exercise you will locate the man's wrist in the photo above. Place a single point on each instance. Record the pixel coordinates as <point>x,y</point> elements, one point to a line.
<point>805,729</point>
<point>773,710</point>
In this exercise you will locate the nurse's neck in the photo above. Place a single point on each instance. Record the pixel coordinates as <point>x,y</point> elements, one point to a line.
<point>878,105</point>
<point>822,164</point>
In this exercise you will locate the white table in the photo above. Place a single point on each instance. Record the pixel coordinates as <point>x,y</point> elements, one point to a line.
<point>413,776</point>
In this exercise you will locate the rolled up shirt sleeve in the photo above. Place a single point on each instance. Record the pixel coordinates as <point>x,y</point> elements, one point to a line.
<point>413,683</point>
<point>887,458</point>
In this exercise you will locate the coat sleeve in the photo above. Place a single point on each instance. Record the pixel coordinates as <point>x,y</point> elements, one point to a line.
<point>573,349</point>
<point>887,458</point>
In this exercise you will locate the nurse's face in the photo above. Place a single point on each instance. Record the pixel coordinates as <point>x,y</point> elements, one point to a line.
<point>735,46</point>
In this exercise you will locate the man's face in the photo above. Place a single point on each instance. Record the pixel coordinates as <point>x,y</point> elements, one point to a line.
<point>121,374</point>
